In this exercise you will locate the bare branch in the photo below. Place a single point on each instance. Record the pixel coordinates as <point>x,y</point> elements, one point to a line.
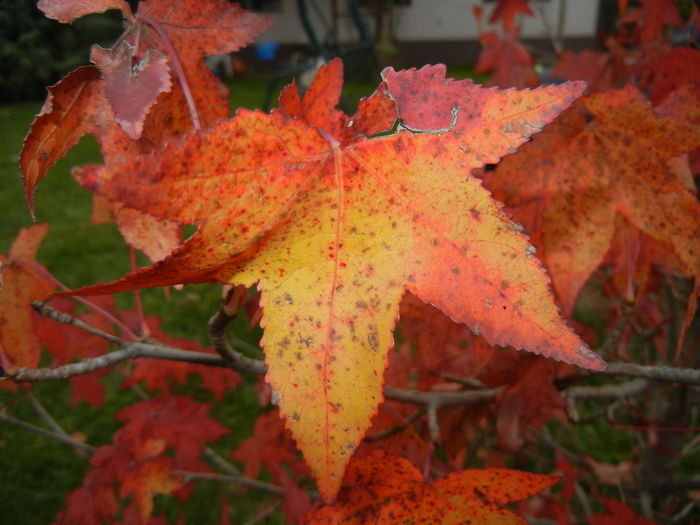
<point>240,479</point>
<point>49,312</point>
<point>61,438</point>
<point>44,414</point>
<point>441,399</point>
<point>217,335</point>
<point>617,391</point>
<point>129,351</point>
<point>629,388</point>
<point>668,374</point>
<point>269,511</point>
<point>377,436</point>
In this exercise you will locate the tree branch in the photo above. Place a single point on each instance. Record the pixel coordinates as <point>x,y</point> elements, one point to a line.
<point>61,438</point>
<point>226,478</point>
<point>217,335</point>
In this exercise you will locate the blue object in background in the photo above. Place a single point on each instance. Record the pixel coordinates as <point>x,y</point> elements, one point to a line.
<point>267,50</point>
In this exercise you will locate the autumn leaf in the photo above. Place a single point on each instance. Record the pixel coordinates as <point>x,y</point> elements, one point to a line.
<point>651,17</point>
<point>145,480</point>
<point>681,65</point>
<point>22,282</point>
<point>157,374</point>
<point>505,57</point>
<point>334,229</point>
<point>132,89</point>
<point>151,87</point>
<point>596,68</point>
<point>389,489</point>
<point>177,421</point>
<point>618,512</point>
<point>66,11</point>
<point>508,10</point>
<point>66,342</point>
<point>571,182</point>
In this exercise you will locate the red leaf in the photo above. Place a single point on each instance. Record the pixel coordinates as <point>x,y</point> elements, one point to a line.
<point>651,17</point>
<point>388,489</point>
<point>132,88</point>
<point>159,375</point>
<point>508,10</point>
<point>618,513</point>
<point>661,76</point>
<point>271,445</point>
<point>581,174</point>
<point>178,421</point>
<point>505,57</point>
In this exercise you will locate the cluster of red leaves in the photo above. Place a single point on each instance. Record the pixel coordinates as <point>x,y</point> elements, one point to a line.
<point>161,437</point>
<point>334,217</point>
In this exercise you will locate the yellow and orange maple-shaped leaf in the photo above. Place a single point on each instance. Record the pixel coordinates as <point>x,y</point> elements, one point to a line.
<point>389,489</point>
<point>334,226</point>
<point>570,183</point>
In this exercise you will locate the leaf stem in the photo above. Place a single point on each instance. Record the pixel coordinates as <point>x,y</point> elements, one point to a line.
<point>177,66</point>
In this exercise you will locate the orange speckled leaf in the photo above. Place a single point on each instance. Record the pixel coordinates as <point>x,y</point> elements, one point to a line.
<point>389,489</point>
<point>334,229</point>
<point>21,285</point>
<point>574,178</point>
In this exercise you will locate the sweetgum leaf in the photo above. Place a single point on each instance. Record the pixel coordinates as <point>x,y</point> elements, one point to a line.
<point>389,489</point>
<point>652,16</point>
<point>132,104</point>
<point>132,88</point>
<point>570,183</point>
<point>507,59</point>
<point>21,284</point>
<point>333,229</point>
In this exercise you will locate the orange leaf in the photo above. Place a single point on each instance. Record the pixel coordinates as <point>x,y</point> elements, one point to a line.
<point>22,284</point>
<point>389,489</point>
<point>568,185</point>
<point>145,480</point>
<point>335,228</point>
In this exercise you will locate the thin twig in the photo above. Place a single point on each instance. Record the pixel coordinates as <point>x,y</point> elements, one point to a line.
<point>49,312</point>
<point>217,335</point>
<point>128,351</point>
<point>269,511</point>
<point>44,414</point>
<point>95,308</point>
<point>177,66</point>
<point>240,479</point>
<point>617,391</point>
<point>377,436</point>
<point>61,438</point>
